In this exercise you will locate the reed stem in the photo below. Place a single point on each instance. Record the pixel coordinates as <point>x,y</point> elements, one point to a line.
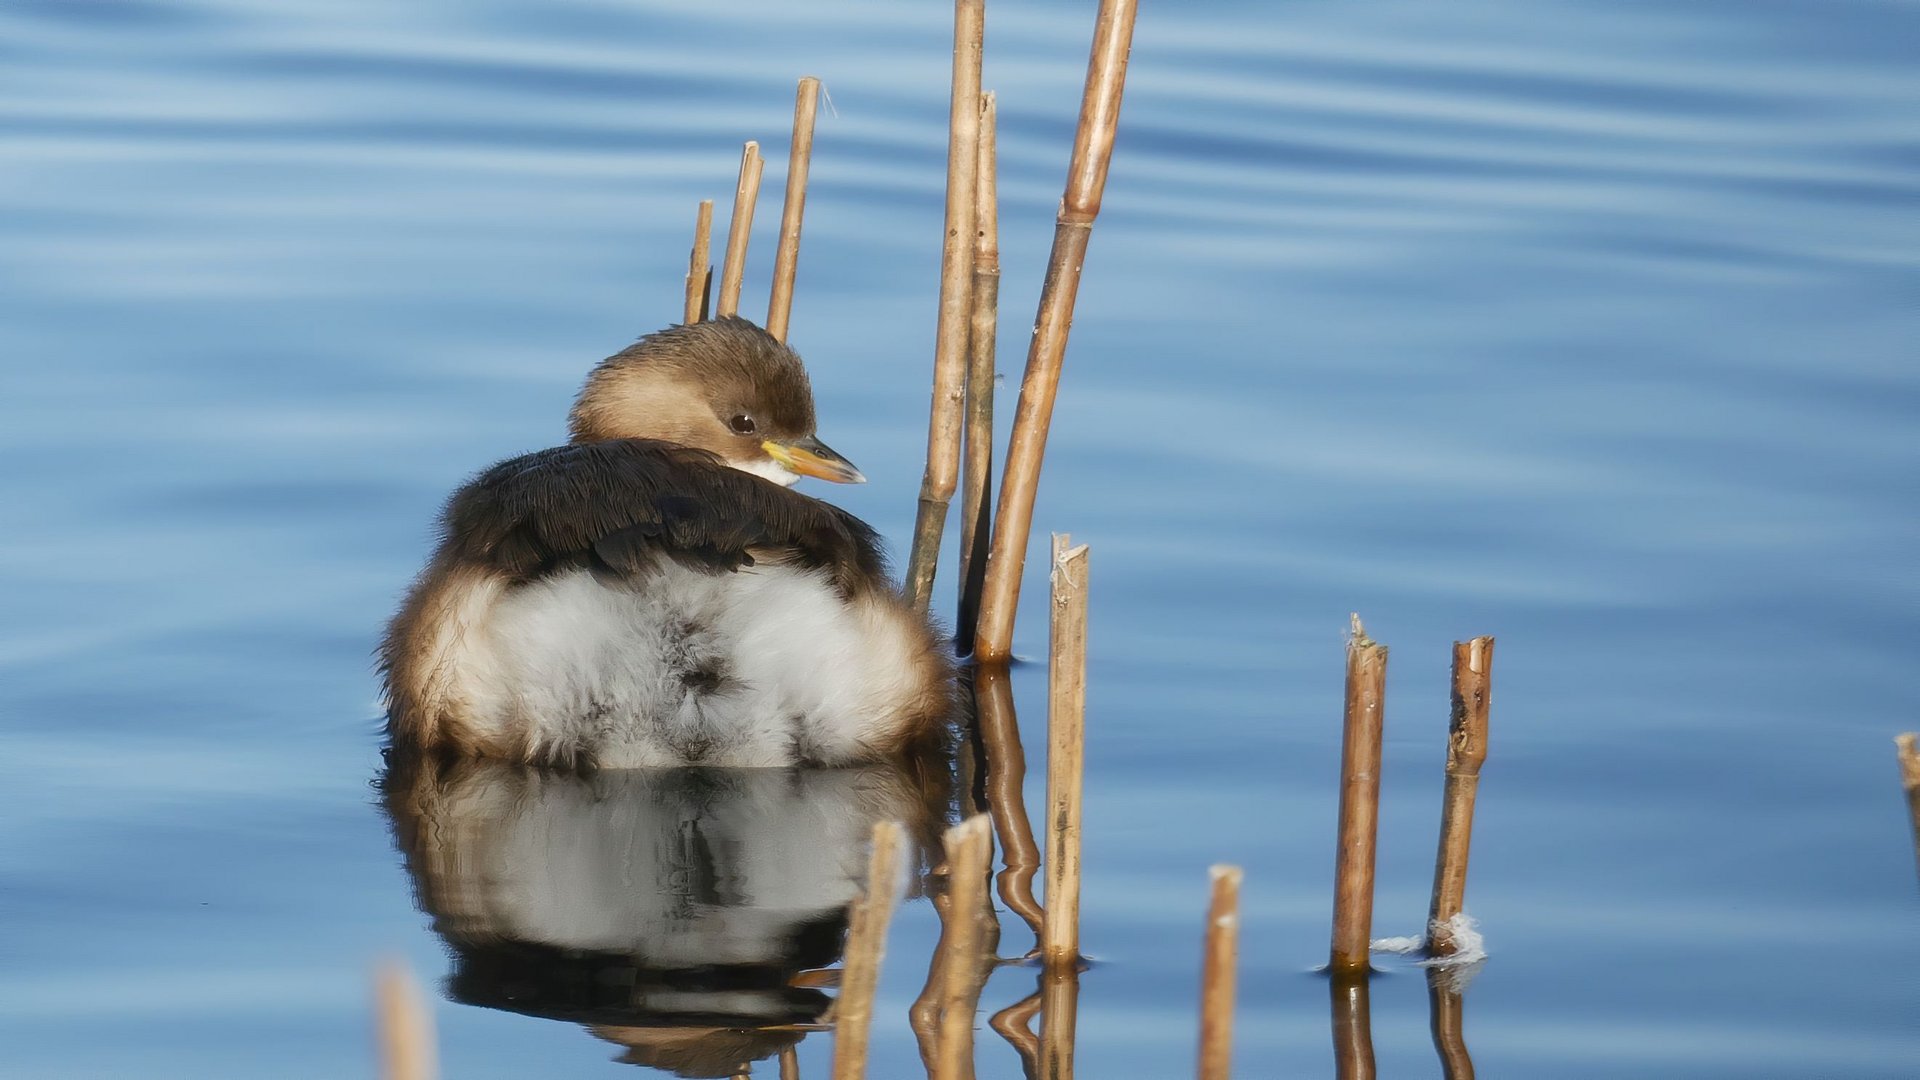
<point>1079,206</point>
<point>1066,752</point>
<point>866,946</point>
<point>699,268</point>
<point>976,472</point>
<point>956,303</point>
<point>405,1027</point>
<point>746,193</point>
<point>790,1064</point>
<point>1015,1024</point>
<point>786,258</point>
<point>1466,752</point>
<point>1359,801</point>
<point>1908,747</point>
<point>1218,974</point>
<point>969,853</point>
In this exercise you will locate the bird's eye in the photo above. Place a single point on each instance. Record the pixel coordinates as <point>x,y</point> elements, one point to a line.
<point>741,424</point>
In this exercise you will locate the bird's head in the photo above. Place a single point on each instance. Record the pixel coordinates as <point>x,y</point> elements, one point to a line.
<point>724,386</point>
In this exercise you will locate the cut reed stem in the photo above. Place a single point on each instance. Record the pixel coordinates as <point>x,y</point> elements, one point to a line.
<point>1359,801</point>
<point>1086,181</point>
<point>1352,1026</point>
<point>746,193</point>
<point>786,258</point>
<point>1445,1015</point>
<point>699,266</point>
<point>956,303</point>
<point>790,1064</point>
<point>1059,1016</point>
<point>1466,752</point>
<point>1006,786</point>
<point>866,946</point>
<point>405,1026</point>
<point>969,853</point>
<point>1066,751</point>
<point>1218,974</point>
<point>1908,747</point>
<point>976,471</point>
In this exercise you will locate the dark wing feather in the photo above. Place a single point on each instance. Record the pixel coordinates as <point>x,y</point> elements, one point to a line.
<point>624,504</point>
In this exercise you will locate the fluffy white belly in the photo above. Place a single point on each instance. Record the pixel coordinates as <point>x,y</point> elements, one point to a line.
<point>765,666</point>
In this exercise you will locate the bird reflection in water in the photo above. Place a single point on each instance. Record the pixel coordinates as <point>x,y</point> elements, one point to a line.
<point>674,912</point>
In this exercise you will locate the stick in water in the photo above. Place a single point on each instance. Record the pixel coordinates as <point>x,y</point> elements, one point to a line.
<point>699,267</point>
<point>786,258</point>
<point>976,472</point>
<point>1359,801</point>
<point>1466,752</point>
<point>969,854</point>
<point>733,270</point>
<point>1066,748</point>
<point>405,1027</point>
<point>1909,749</point>
<point>866,945</point>
<point>956,303</point>
<point>1086,180</point>
<point>1217,975</point>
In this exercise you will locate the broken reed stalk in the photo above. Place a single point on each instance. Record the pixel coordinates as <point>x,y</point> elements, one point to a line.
<point>1006,787</point>
<point>790,1064</point>
<point>976,467</point>
<point>1466,752</point>
<point>746,193</point>
<point>405,1027</point>
<point>1348,993</point>
<point>699,265</point>
<point>1908,746</point>
<point>1218,973</point>
<point>1359,801</point>
<point>1066,752</point>
<point>1079,206</point>
<point>786,257</point>
<point>1445,1016</point>
<point>1059,1017</point>
<point>866,945</point>
<point>956,303</point>
<point>969,853</point>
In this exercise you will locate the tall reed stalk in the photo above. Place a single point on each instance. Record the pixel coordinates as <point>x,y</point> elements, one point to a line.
<point>746,193</point>
<point>1218,974</point>
<point>956,302</point>
<point>1079,206</point>
<point>1466,752</point>
<point>786,257</point>
<point>699,269</point>
<point>976,472</point>
<point>1066,752</point>
<point>1359,801</point>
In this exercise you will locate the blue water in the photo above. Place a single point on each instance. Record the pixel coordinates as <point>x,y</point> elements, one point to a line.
<point>1588,325</point>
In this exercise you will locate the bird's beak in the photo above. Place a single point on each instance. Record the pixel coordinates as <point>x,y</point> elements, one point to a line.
<point>811,457</point>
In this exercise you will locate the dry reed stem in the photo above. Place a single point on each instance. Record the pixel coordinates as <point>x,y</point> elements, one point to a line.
<point>1908,747</point>
<point>1086,181</point>
<point>866,946</point>
<point>1466,752</point>
<point>1359,801</point>
<point>1352,1026</point>
<point>786,257</point>
<point>1006,785</point>
<point>956,303</point>
<point>790,1064</point>
<point>405,1026</point>
<point>699,266</point>
<point>969,854</point>
<point>976,467</point>
<point>1015,1024</point>
<point>746,193</point>
<point>1066,751</point>
<point>1444,1014</point>
<point>1059,1016</point>
<point>1218,974</point>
